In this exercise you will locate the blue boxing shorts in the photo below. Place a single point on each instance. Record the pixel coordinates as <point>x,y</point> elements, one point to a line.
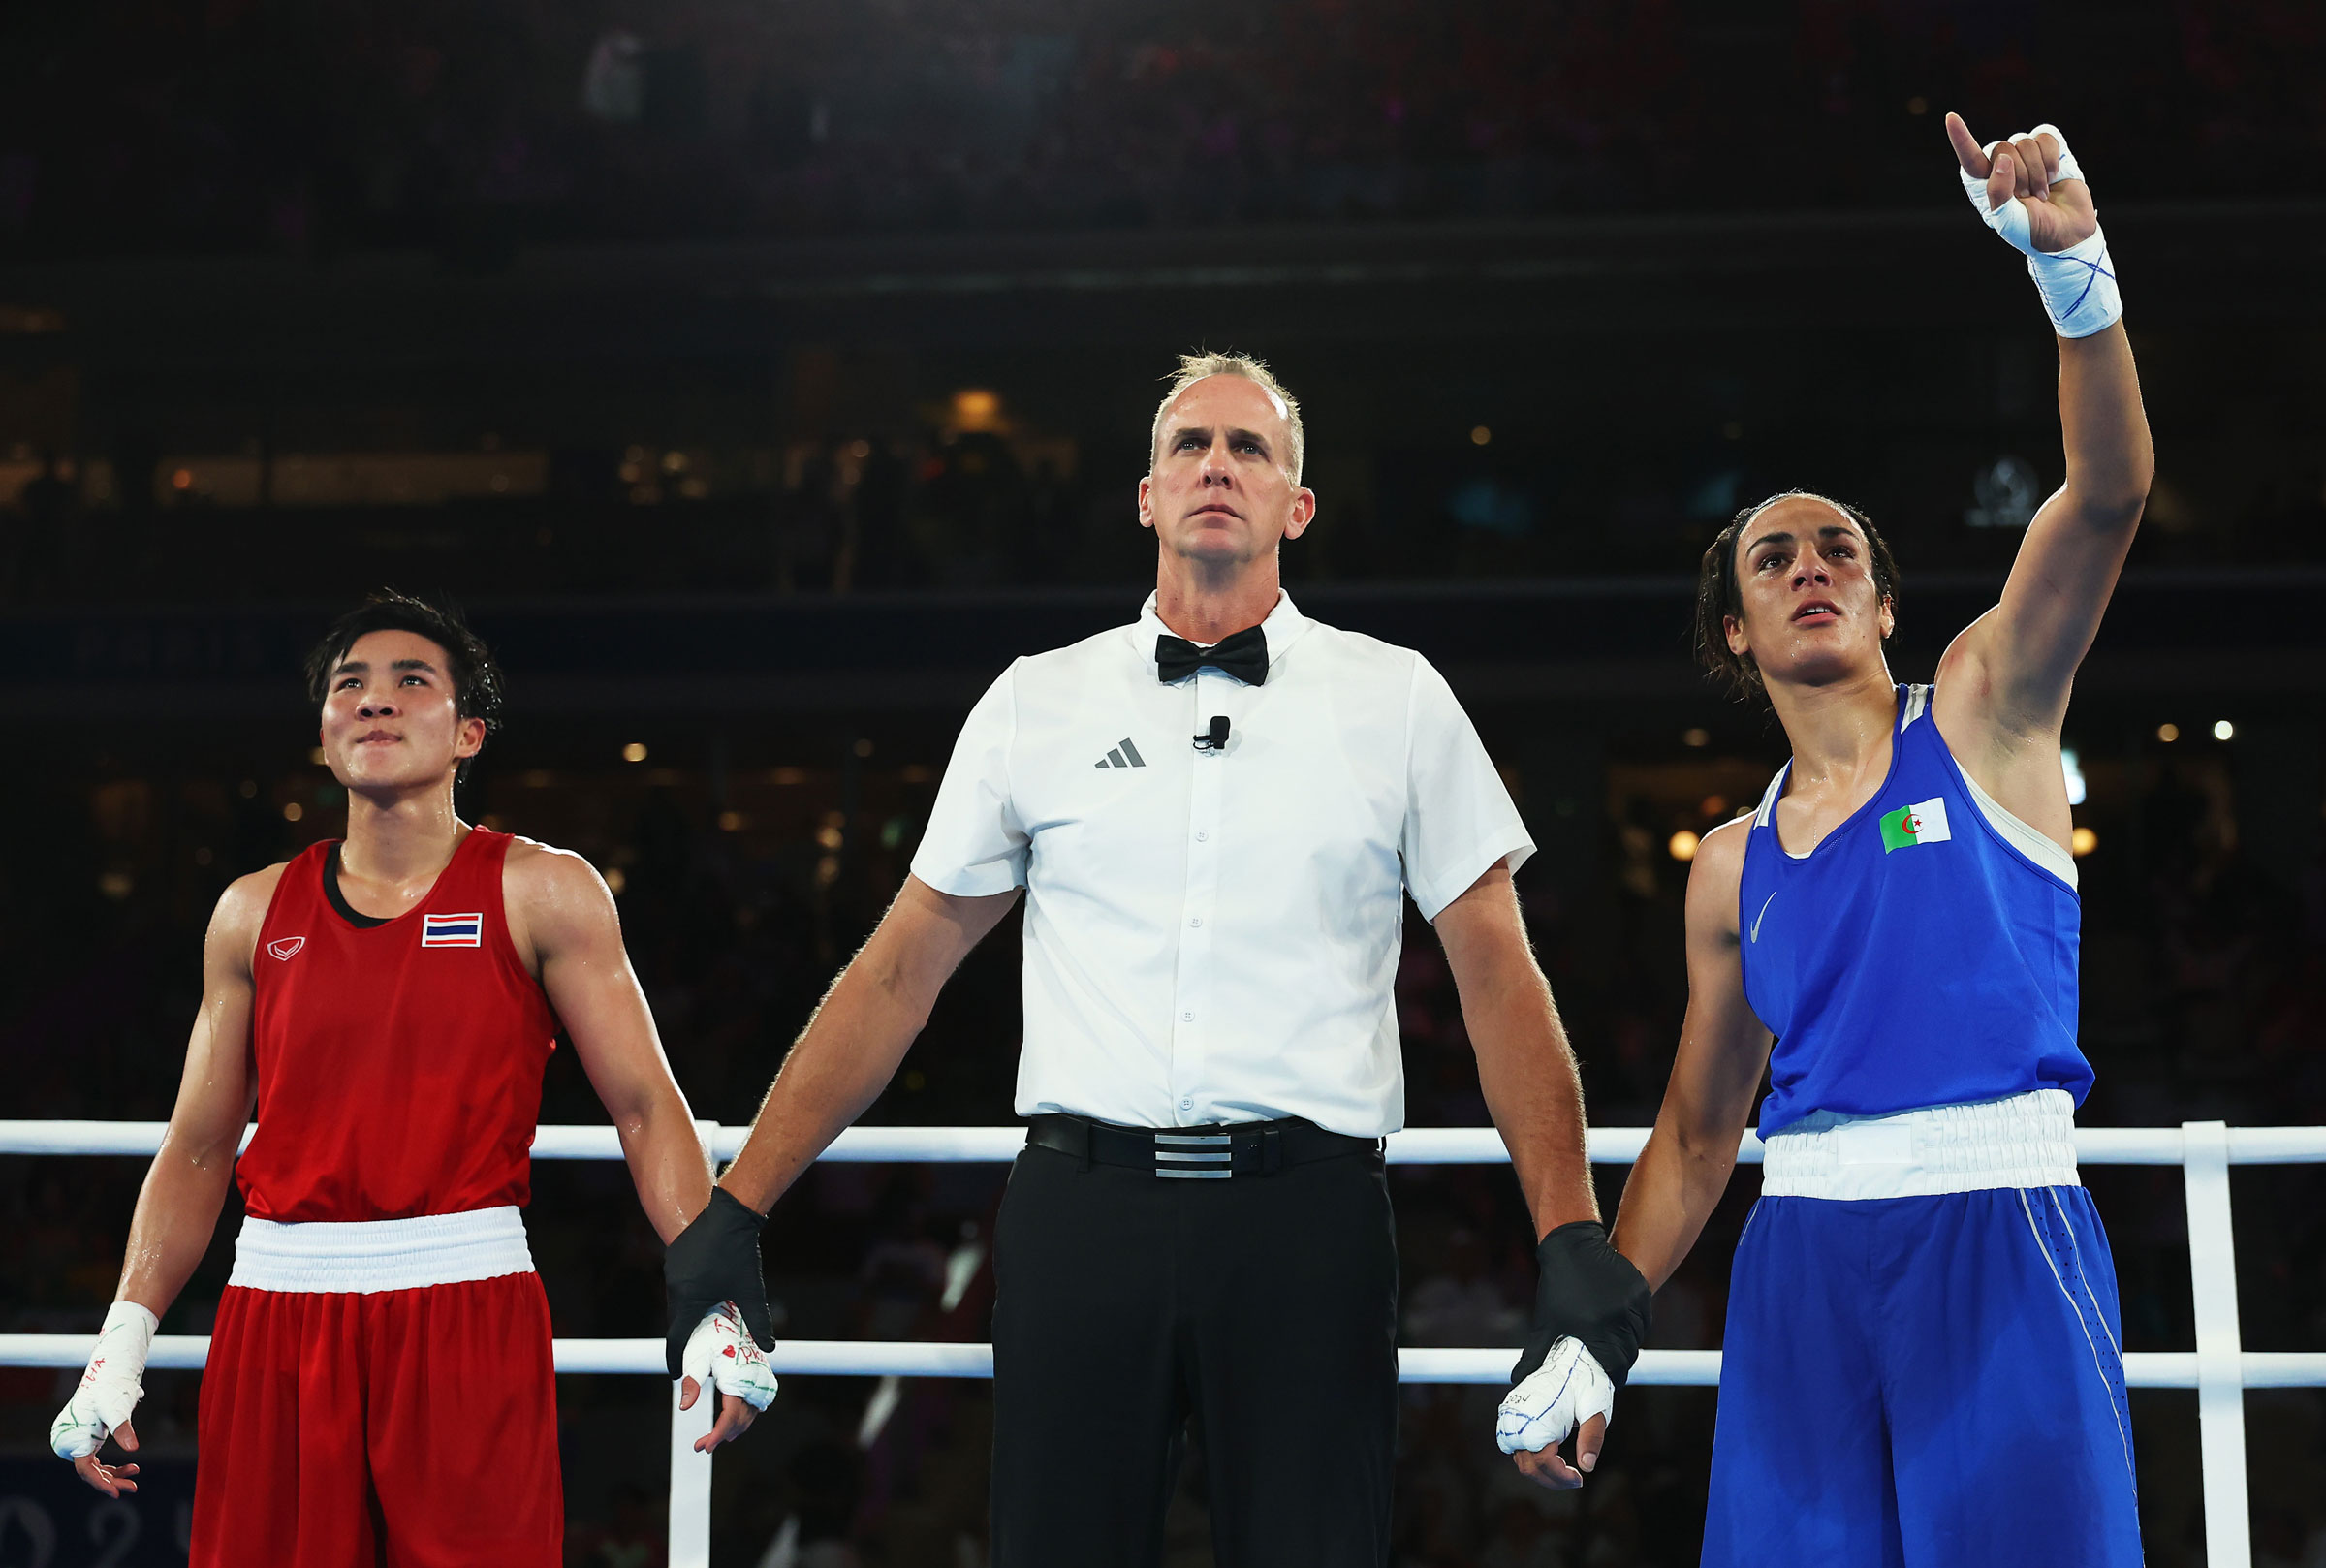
<point>1930,1378</point>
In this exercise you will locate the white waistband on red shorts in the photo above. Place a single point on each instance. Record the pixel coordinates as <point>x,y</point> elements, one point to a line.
<point>2023,1140</point>
<point>381,1254</point>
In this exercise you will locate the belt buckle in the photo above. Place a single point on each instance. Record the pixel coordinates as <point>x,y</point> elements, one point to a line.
<point>1194,1156</point>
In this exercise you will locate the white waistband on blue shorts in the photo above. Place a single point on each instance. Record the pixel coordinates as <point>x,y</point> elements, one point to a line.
<point>2023,1140</point>
<point>381,1254</point>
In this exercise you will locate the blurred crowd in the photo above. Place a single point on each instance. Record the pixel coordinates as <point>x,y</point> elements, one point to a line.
<point>2205,996</point>
<point>475,129</point>
<point>976,511</point>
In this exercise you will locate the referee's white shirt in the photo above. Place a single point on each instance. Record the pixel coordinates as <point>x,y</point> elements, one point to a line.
<point>1212,936</point>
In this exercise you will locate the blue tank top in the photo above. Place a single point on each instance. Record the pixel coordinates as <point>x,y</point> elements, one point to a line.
<point>1923,954</point>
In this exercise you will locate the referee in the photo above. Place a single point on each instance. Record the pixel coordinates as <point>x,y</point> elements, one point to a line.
<point>1215,813</point>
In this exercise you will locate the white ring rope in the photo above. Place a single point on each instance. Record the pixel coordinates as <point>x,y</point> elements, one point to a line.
<point>2220,1369</point>
<point>1416,1145</point>
<point>903,1358</point>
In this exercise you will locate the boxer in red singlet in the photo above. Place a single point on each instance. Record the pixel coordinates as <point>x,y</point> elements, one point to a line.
<point>379,1386</point>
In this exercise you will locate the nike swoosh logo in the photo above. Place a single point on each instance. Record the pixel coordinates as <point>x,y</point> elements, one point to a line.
<point>1756,920</point>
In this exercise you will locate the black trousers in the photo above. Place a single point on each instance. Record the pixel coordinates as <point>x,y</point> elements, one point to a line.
<point>1261,1311</point>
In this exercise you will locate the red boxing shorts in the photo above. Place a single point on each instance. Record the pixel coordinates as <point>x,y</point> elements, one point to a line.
<point>380,1393</point>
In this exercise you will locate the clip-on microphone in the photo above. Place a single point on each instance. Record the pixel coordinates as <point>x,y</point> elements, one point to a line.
<point>1215,738</point>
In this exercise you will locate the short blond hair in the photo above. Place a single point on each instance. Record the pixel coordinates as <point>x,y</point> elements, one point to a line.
<point>1195,367</point>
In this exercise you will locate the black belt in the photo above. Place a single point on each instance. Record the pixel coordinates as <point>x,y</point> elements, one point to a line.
<point>1211,1154</point>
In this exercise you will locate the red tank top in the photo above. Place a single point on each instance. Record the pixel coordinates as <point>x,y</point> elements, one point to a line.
<point>400,1065</point>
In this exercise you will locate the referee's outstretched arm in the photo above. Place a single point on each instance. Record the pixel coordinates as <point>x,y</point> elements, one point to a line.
<point>838,1066</point>
<point>856,1038</point>
<point>1524,1064</point>
<point>1587,1295</point>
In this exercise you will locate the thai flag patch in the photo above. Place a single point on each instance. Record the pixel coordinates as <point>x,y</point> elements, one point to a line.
<point>451,931</point>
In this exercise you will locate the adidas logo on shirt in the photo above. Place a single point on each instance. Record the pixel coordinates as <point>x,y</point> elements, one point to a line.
<point>1125,755</point>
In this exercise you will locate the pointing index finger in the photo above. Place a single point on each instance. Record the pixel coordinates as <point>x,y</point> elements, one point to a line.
<point>1967,151</point>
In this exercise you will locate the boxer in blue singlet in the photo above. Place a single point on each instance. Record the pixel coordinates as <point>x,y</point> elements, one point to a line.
<point>1921,1363</point>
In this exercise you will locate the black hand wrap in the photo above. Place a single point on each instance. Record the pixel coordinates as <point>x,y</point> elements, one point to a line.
<point>715,1260</point>
<point>1590,1291</point>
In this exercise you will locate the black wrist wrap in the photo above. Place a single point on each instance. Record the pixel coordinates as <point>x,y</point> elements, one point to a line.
<point>713,1260</point>
<point>1592,1292</point>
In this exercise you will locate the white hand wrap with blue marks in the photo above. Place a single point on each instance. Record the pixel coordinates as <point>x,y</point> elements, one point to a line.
<point>1556,1398</point>
<point>2078,284</point>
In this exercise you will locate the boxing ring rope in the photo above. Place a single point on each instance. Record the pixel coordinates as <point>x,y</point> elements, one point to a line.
<point>2219,1368</point>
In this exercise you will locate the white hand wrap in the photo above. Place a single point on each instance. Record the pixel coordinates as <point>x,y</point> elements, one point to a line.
<point>1566,1391</point>
<point>110,1389</point>
<point>2078,284</point>
<point>721,1354</point>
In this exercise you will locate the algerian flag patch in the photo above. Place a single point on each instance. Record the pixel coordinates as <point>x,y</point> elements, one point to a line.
<point>1922,823</point>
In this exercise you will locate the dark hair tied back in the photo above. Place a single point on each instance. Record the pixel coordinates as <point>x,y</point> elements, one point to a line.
<point>1718,596</point>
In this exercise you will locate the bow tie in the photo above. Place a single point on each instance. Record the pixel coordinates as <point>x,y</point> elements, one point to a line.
<point>1243,656</point>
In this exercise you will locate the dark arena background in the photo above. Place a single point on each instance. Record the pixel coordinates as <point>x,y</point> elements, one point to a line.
<point>764,376</point>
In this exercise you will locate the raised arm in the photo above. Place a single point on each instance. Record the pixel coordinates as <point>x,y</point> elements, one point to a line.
<point>185,1187</point>
<point>2013,666</point>
<point>1723,1049</point>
